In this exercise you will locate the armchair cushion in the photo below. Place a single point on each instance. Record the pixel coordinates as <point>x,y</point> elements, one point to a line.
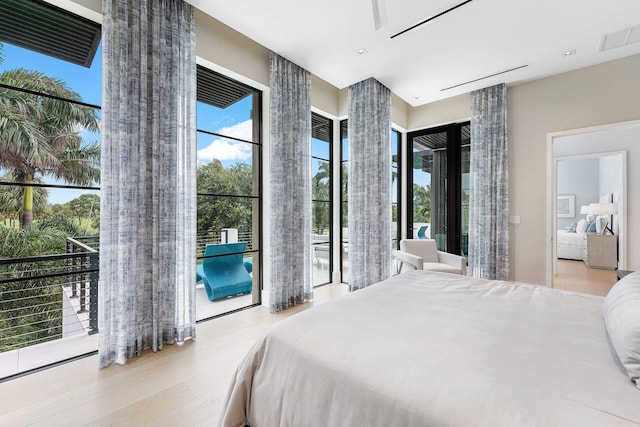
<point>424,248</point>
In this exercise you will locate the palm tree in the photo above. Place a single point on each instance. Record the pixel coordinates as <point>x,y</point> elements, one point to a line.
<point>40,135</point>
<point>320,191</point>
<point>11,197</point>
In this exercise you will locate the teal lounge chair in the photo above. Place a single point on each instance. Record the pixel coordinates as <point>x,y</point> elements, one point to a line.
<point>422,232</point>
<point>227,275</point>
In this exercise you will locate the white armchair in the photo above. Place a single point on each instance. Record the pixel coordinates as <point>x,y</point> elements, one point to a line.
<point>423,254</point>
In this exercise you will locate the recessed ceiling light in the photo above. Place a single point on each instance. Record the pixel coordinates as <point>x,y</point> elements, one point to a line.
<point>569,53</point>
<point>362,51</point>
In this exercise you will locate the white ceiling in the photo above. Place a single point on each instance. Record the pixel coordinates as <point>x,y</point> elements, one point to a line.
<point>480,38</point>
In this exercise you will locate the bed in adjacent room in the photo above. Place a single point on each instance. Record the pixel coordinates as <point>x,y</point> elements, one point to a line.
<point>570,245</point>
<point>570,242</point>
<point>425,348</point>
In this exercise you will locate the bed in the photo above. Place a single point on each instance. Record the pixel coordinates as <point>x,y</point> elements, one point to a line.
<point>570,245</point>
<point>436,349</point>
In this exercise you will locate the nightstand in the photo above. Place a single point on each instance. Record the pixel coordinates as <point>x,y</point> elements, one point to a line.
<point>600,251</point>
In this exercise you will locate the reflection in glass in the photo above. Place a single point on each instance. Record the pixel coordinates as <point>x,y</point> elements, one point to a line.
<point>430,188</point>
<point>465,157</point>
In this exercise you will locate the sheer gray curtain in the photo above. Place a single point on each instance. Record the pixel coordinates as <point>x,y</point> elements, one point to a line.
<point>290,162</point>
<point>369,184</point>
<point>148,205</point>
<point>489,181</point>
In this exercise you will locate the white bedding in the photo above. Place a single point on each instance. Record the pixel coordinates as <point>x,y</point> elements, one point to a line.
<point>570,245</point>
<point>433,349</point>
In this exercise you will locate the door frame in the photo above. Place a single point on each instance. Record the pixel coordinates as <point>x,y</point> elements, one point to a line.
<point>454,182</point>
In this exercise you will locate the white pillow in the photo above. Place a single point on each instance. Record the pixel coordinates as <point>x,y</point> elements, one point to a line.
<point>582,225</point>
<point>622,319</point>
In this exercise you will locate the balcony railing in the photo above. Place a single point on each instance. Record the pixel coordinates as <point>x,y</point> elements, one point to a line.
<point>48,297</point>
<point>43,298</point>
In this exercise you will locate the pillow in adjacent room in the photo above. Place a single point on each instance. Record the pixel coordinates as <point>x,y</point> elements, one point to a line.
<point>581,226</point>
<point>621,310</point>
<point>591,228</point>
<point>571,228</point>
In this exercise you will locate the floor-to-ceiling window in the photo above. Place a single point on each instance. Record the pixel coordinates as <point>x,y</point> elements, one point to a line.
<point>344,201</point>
<point>396,138</point>
<point>50,96</point>
<point>439,186</point>
<point>321,217</point>
<point>229,193</point>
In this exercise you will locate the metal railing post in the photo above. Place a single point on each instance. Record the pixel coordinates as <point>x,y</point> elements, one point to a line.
<point>74,276</point>
<point>83,286</point>
<point>93,293</point>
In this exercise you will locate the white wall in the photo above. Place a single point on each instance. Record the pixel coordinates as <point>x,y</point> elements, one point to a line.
<point>456,109</point>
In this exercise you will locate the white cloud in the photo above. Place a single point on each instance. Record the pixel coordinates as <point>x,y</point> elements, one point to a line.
<point>242,130</point>
<point>225,149</point>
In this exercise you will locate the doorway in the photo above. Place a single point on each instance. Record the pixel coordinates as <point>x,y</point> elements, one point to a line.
<point>595,160</point>
<point>438,186</point>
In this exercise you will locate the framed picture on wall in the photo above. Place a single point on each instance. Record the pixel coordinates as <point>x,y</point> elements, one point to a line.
<point>566,206</point>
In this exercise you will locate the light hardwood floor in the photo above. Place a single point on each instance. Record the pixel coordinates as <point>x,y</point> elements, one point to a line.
<point>576,276</point>
<point>178,386</point>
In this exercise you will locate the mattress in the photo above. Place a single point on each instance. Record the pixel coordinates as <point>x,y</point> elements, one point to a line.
<point>436,349</point>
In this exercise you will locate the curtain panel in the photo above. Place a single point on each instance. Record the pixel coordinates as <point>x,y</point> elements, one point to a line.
<point>148,203</point>
<point>290,184</point>
<point>489,185</point>
<point>369,183</point>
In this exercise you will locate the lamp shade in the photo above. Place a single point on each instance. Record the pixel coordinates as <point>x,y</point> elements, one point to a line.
<point>584,209</point>
<point>602,209</point>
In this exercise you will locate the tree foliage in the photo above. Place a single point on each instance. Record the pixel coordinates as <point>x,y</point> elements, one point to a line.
<point>421,203</point>
<point>217,206</point>
<point>321,192</point>
<point>84,206</point>
<point>40,136</point>
<point>32,308</point>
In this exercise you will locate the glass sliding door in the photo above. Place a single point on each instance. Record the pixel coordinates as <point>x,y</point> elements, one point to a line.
<point>438,187</point>
<point>321,218</point>
<point>429,188</point>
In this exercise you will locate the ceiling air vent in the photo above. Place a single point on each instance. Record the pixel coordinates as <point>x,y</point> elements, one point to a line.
<point>484,77</point>
<point>620,38</point>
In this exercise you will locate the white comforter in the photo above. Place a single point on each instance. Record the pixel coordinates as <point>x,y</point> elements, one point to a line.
<point>434,349</point>
<point>570,239</point>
